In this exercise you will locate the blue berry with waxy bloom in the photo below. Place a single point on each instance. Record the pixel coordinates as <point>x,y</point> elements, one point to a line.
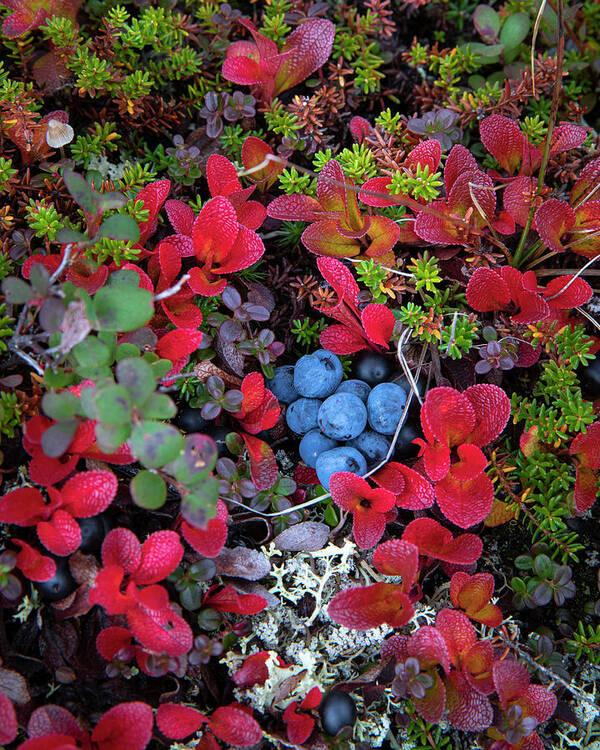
<point>372,445</point>
<point>344,458</point>
<point>372,367</point>
<point>313,444</point>
<point>317,375</point>
<point>385,406</point>
<point>60,585</point>
<point>405,448</point>
<point>281,384</point>
<point>357,387</point>
<point>301,415</point>
<point>337,710</point>
<point>342,416</point>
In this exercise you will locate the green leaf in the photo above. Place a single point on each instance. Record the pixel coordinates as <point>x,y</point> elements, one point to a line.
<point>487,23</point>
<point>111,437</point>
<point>126,350</point>
<point>58,378</point>
<point>122,309</point>
<point>515,29</point>
<point>191,597</point>
<point>330,515</point>
<point>91,352</point>
<point>108,201</point>
<point>39,278</point>
<point>490,52</point>
<point>88,402</point>
<point>200,505</point>
<point>57,438</point>
<point>113,405</point>
<point>137,377</point>
<point>124,277</point>
<point>161,367</point>
<point>81,192</point>
<point>158,406</point>
<point>60,406</point>
<point>71,236</point>
<point>119,227</point>
<point>16,291</point>
<point>148,490</point>
<point>155,444</point>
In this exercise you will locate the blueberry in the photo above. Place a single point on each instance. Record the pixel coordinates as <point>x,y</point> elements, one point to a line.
<point>590,377</point>
<point>342,416</point>
<point>384,406</point>
<point>404,447</point>
<point>372,445</point>
<point>317,375</point>
<point>93,531</point>
<point>313,444</point>
<point>339,459</point>
<point>337,710</point>
<point>191,420</point>
<point>421,383</point>
<point>282,384</point>
<point>357,387</point>
<point>60,585</point>
<point>372,367</point>
<point>301,415</point>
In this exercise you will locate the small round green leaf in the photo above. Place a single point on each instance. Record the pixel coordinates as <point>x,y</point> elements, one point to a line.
<point>137,377</point>
<point>113,405</point>
<point>155,443</point>
<point>122,307</point>
<point>120,227</point>
<point>148,490</point>
<point>515,29</point>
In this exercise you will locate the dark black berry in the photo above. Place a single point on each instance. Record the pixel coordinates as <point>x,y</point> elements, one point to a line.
<point>191,420</point>
<point>337,710</point>
<point>371,367</point>
<point>590,378</point>
<point>60,586</point>
<point>405,448</point>
<point>93,531</point>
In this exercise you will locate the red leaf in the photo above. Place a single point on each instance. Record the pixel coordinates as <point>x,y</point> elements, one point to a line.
<point>465,503</point>
<point>210,541</point>
<point>383,234</point>
<point>299,726</point>
<point>263,466</point>
<point>366,607</point>
<point>89,493</point>
<point>471,463</point>
<point>458,633</point>
<point>567,136</point>
<point>477,667</point>
<point>8,720</point>
<point>177,722</point>
<point>23,507</point>
<point>447,415</point>
<point>342,340</point>
<point>492,410</point>
<point>487,291</point>
<point>215,230</point>
<point>377,185</point>
<point>221,176</point>
<point>295,207</point>
<point>50,742</point>
<point>511,680</point>
<point>554,219</point>
<point>153,196</point>
<point>429,646</point>
<point>254,152</point>
<point>178,344</point>
<point>121,547</point>
<point>234,725</point>
<point>246,250</point>
<point>459,160</point>
<point>162,632</point>
<point>378,322</point>
<point>425,154</point>
<point>107,591</point>
<point>34,565</point>
<point>110,641</point>
<point>539,702</point>
<point>127,726</point>
<point>503,138</point>
<point>518,197</point>
<point>435,541</point>
<point>398,558</point>
<point>253,671</point>
<point>309,47</point>
<point>229,600</point>
<point>473,594</point>
<point>323,238</point>
<point>576,292</point>
<point>181,216</point>
<point>61,535</point>
<point>586,182</point>
<point>359,127</point>
<point>51,719</point>
<point>431,707</point>
<point>161,554</point>
<point>395,647</point>
<point>468,710</point>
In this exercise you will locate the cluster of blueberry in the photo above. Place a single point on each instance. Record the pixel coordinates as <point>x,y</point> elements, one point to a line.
<point>345,425</point>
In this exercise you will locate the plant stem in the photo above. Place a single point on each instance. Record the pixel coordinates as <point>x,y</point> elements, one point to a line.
<point>560,55</point>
